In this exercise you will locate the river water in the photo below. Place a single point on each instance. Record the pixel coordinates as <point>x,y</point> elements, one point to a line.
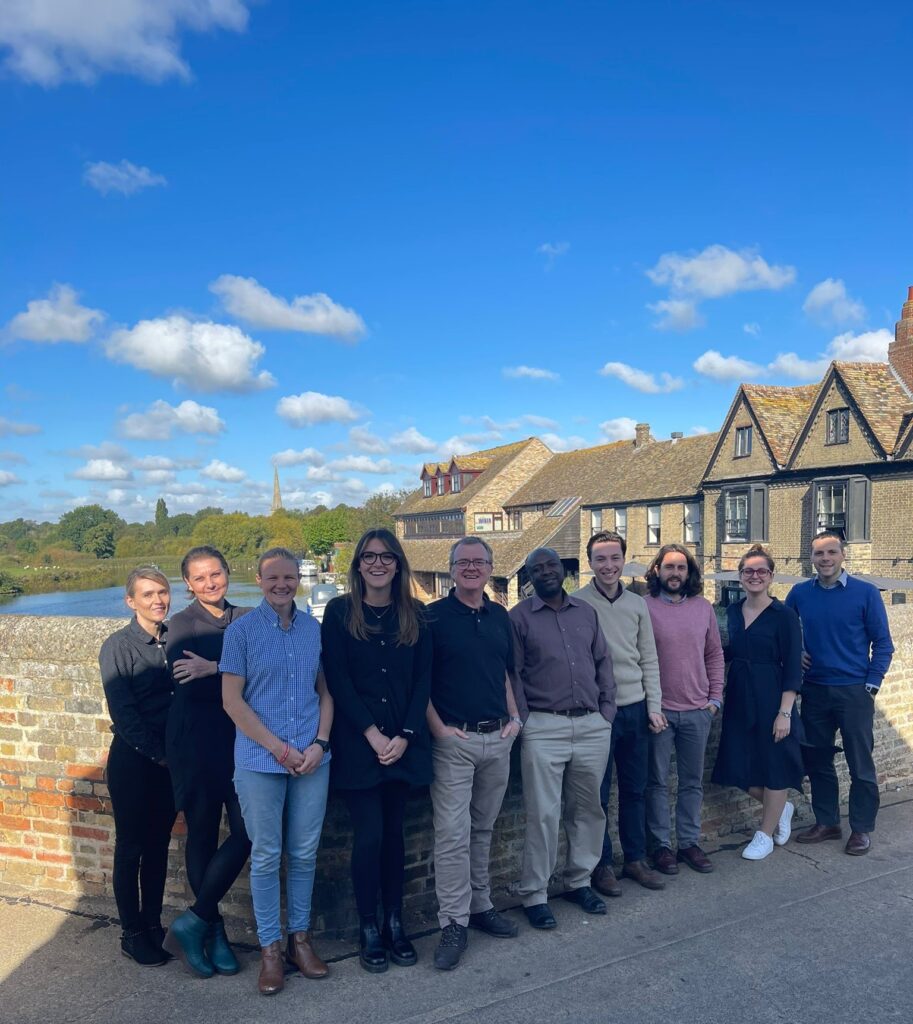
<point>109,601</point>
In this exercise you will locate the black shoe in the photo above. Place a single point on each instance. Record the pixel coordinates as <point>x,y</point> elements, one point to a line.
<point>157,935</point>
<point>586,899</point>
<point>402,952</point>
<point>371,954</point>
<point>139,947</point>
<point>493,923</point>
<point>454,939</point>
<point>540,916</point>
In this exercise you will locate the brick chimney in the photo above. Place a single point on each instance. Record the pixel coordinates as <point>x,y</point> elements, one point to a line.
<point>900,351</point>
<point>641,435</point>
<point>677,435</point>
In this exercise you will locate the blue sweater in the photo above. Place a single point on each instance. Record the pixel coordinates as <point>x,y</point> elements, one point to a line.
<point>845,632</point>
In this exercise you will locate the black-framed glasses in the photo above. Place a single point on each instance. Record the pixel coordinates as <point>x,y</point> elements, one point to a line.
<point>761,574</point>
<point>386,557</point>
<point>471,563</point>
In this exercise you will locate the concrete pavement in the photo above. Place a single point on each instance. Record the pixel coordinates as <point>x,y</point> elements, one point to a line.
<point>809,935</point>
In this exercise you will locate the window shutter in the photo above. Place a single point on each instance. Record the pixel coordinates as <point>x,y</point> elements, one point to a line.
<point>857,500</point>
<point>757,523</point>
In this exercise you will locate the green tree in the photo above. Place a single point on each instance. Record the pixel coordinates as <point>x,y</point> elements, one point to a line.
<point>322,531</point>
<point>74,526</point>
<point>236,535</point>
<point>161,515</point>
<point>99,540</point>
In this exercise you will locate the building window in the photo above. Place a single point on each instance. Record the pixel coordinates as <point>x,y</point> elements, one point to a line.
<point>692,522</point>
<point>447,524</point>
<point>497,522</point>
<point>427,486</point>
<point>742,442</point>
<point>456,482</point>
<point>838,426</point>
<point>444,583</point>
<point>595,520</point>
<point>440,483</point>
<point>654,531</point>
<point>515,520</point>
<point>621,522</point>
<point>844,507</point>
<point>736,516</point>
<point>745,513</point>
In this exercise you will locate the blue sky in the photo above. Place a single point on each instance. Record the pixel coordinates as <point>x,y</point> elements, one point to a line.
<point>349,237</point>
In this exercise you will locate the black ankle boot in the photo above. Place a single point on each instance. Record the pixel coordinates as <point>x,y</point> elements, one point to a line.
<point>372,954</point>
<point>402,952</point>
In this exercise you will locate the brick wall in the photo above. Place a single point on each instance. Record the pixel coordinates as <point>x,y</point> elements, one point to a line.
<point>56,833</point>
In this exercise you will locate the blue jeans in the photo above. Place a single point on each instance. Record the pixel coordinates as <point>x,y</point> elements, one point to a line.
<point>687,735</point>
<point>282,810</point>
<point>630,751</point>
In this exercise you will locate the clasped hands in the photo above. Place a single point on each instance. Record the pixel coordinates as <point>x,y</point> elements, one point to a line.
<point>388,751</point>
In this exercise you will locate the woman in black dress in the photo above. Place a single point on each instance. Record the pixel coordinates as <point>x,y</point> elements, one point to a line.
<point>377,660</point>
<point>759,746</point>
<point>137,685</point>
<point>200,743</point>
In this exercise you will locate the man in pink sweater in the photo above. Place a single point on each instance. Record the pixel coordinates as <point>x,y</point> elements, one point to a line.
<point>691,679</point>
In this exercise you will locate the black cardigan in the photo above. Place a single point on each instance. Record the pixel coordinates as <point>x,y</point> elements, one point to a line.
<point>376,682</point>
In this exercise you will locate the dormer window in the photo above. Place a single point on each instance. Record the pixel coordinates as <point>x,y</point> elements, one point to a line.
<point>838,427</point>
<point>440,483</point>
<point>742,442</point>
<point>456,482</point>
<point>427,486</point>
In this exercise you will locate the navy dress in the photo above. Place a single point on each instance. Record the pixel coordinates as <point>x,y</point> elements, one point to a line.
<point>764,660</point>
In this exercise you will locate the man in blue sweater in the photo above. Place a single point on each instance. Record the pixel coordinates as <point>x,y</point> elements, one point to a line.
<point>847,653</point>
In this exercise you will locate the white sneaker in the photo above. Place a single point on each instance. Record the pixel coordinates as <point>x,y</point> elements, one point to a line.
<point>759,848</point>
<point>784,826</point>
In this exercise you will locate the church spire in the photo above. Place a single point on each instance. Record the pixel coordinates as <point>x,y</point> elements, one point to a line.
<point>277,496</point>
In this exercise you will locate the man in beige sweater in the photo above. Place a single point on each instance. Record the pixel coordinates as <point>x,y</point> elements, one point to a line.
<point>625,621</point>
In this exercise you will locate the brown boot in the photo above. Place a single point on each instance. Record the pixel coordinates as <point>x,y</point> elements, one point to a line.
<point>301,954</point>
<point>272,971</point>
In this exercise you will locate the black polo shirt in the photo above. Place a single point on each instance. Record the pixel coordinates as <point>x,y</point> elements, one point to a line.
<point>473,651</point>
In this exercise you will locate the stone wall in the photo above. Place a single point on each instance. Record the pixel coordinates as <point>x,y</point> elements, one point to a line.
<point>56,831</point>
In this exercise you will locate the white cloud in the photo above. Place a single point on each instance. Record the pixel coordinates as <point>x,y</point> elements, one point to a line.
<point>10,428</point>
<point>222,471</point>
<point>640,380</point>
<point>543,422</point>
<point>125,177</point>
<point>753,328</point>
<point>102,469</point>
<point>553,249</point>
<point>248,300</point>
<point>529,373</point>
<point>868,347</point>
<point>620,428</point>
<point>460,444</point>
<point>59,317</point>
<point>719,367</point>
<point>291,457</point>
<point>117,496</point>
<point>312,407</point>
<point>362,464</point>
<point>410,440</point>
<point>53,42</point>
<point>158,476</point>
<point>321,473</point>
<point>7,479</point>
<point>719,271</point>
<point>13,457</point>
<point>697,430</point>
<point>828,303</point>
<point>203,355</point>
<point>161,420</point>
<point>788,364</point>
<point>676,315</point>
<point>364,441</point>
<point>563,444</point>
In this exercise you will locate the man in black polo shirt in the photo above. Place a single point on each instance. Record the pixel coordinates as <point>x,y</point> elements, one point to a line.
<point>473,721</point>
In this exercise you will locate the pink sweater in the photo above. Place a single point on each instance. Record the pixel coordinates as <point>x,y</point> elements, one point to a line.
<point>690,652</point>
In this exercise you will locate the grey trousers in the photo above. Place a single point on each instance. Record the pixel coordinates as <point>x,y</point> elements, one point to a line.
<point>470,777</point>
<point>687,733</point>
<point>570,754</point>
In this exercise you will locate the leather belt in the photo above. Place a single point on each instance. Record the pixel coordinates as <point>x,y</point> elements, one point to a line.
<point>567,713</point>
<point>489,725</point>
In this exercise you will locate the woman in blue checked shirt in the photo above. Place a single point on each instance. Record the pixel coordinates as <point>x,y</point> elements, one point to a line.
<point>273,689</point>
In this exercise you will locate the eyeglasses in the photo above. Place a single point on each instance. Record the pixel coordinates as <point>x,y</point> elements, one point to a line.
<point>467,563</point>
<point>386,557</point>
<point>762,574</point>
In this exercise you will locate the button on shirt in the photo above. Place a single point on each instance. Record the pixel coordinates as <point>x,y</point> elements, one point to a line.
<point>562,658</point>
<point>279,667</point>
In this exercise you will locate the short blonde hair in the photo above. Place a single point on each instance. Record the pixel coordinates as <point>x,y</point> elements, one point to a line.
<point>145,572</point>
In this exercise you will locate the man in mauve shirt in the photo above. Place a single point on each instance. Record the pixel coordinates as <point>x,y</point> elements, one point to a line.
<point>565,693</point>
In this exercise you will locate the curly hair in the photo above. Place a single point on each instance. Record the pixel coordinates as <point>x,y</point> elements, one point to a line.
<point>694,584</point>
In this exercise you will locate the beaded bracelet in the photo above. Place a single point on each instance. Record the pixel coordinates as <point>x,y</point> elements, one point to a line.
<point>285,754</point>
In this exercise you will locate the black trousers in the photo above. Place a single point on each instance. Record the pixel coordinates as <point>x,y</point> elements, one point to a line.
<point>143,805</point>
<point>211,868</point>
<point>378,849</point>
<point>825,709</point>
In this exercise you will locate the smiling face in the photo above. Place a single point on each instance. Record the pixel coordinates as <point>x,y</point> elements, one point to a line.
<point>828,558</point>
<point>278,581</point>
<point>607,561</point>
<point>755,575</point>
<point>673,573</point>
<point>470,579</point>
<point>546,573</point>
<point>150,602</point>
<point>377,566</point>
<point>207,580</point>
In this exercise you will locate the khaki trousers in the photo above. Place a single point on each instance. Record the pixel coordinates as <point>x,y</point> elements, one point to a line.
<point>568,753</point>
<point>470,777</point>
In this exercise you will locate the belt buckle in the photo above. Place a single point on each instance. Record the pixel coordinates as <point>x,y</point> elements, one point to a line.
<point>490,724</point>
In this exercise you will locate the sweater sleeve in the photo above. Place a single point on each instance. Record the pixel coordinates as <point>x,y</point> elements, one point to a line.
<point>421,681</point>
<point>649,660</point>
<point>117,679</point>
<point>713,656</point>
<point>335,639</point>
<point>791,650</point>
<point>879,634</point>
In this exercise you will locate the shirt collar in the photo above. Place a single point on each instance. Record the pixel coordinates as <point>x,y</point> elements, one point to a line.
<point>663,596</point>
<point>138,633</point>
<point>601,593</point>
<point>272,616</point>
<point>537,604</point>
<point>463,609</point>
<point>841,580</point>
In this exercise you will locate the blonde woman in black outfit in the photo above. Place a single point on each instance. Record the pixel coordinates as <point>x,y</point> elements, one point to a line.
<point>200,743</point>
<point>377,660</point>
<point>137,685</point>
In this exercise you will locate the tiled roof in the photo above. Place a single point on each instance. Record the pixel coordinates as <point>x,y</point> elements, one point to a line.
<point>494,459</point>
<point>781,413</point>
<point>619,472</point>
<point>881,400</point>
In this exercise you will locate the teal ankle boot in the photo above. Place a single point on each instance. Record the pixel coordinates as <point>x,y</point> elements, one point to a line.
<point>185,940</point>
<point>219,951</point>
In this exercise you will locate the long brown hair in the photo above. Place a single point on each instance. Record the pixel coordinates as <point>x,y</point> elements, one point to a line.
<point>693,584</point>
<point>404,604</point>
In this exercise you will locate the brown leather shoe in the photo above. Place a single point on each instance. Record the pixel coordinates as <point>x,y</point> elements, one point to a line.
<point>272,972</point>
<point>695,858</point>
<point>858,844</point>
<point>664,860</point>
<point>818,833</point>
<point>300,954</point>
<point>603,880</point>
<point>638,871</point>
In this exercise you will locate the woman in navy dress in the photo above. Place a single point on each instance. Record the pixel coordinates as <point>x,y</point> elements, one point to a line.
<point>759,746</point>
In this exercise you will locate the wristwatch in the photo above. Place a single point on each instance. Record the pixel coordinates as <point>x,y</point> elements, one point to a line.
<point>323,744</point>
<point>517,719</point>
